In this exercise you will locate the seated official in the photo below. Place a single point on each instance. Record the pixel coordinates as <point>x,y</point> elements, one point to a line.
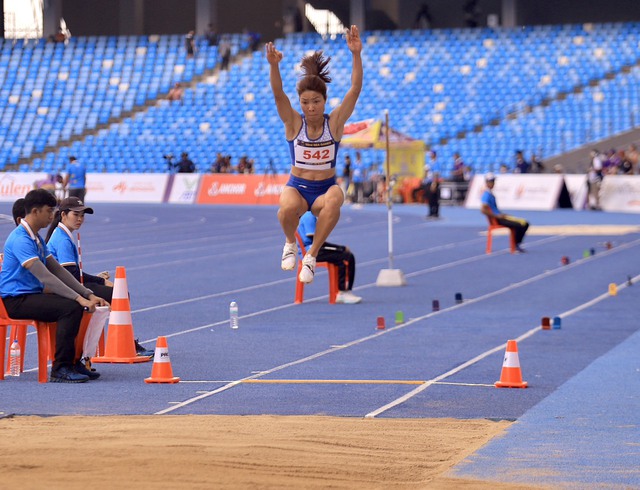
<point>61,243</point>
<point>339,255</point>
<point>490,209</point>
<point>28,270</point>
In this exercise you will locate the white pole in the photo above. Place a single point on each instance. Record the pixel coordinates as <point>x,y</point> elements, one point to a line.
<point>389,190</point>
<point>390,276</point>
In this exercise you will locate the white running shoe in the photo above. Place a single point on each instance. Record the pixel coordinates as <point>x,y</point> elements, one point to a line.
<point>347,298</point>
<point>289,253</point>
<point>308,269</point>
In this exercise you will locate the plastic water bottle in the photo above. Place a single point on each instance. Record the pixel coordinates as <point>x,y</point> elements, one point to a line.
<point>233,314</point>
<point>14,359</point>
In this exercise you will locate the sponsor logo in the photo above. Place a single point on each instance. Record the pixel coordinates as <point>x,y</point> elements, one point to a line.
<point>218,189</point>
<point>9,186</point>
<point>136,187</point>
<point>269,189</point>
<point>190,184</point>
<point>187,196</point>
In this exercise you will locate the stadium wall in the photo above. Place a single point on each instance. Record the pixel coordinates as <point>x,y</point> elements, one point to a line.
<point>619,193</point>
<point>118,17</point>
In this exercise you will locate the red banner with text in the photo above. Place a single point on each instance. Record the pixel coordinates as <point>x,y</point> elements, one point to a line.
<point>241,189</point>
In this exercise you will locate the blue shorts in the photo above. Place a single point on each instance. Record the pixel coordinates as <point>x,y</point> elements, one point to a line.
<point>311,189</point>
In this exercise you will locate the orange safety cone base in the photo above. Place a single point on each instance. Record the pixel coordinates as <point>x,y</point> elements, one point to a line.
<point>121,360</point>
<point>120,346</point>
<point>506,384</point>
<point>511,375</point>
<point>175,379</point>
<point>162,371</point>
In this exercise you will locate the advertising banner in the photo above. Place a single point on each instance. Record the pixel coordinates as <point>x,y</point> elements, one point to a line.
<point>125,187</point>
<point>241,189</point>
<point>14,185</point>
<point>577,187</point>
<point>620,193</point>
<point>518,192</point>
<point>183,188</point>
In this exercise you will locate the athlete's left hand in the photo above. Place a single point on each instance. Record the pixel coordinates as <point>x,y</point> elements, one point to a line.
<point>353,39</point>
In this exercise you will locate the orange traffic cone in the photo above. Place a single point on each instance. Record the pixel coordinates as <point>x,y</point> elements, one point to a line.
<point>511,376</point>
<point>161,371</point>
<point>121,347</point>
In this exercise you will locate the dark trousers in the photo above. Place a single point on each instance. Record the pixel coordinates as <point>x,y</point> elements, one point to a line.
<point>51,308</point>
<point>518,224</point>
<point>101,291</point>
<point>346,262</point>
<point>78,192</point>
<point>434,201</point>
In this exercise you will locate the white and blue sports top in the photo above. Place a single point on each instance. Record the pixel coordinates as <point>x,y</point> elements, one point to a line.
<point>318,154</point>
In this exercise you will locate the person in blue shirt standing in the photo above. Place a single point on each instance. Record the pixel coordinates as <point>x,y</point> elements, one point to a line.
<point>490,209</point>
<point>339,255</point>
<point>28,269</point>
<point>76,179</point>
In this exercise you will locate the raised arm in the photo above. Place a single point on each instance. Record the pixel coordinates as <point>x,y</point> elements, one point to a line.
<point>286,112</point>
<point>342,113</point>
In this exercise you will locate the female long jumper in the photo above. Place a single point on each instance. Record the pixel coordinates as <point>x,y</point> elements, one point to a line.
<point>313,138</point>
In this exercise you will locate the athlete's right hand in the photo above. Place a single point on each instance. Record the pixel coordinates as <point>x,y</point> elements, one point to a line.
<point>273,55</point>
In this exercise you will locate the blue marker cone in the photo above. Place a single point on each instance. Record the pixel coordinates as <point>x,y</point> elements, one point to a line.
<point>458,298</point>
<point>557,323</point>
<point>435,305</point>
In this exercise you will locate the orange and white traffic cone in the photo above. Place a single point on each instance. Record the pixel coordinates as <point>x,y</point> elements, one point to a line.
<point>511,376</point>
<point>121,347</point>
<point>161,371</point>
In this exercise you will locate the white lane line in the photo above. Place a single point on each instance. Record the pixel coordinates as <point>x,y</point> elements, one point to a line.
<point>290,279</point>
<point>470,362</point>
<point>392,329</point>
<point>317,298</point>
<point>450,383</point>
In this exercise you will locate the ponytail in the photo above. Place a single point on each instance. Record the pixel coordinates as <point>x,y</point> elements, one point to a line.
<point>54,224</point>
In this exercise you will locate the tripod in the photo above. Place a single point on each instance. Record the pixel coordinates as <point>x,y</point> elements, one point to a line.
<point>269,181</point>
<point>271,169</point>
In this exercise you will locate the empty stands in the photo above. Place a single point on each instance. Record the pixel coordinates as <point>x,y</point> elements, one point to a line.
<point>481,92</point>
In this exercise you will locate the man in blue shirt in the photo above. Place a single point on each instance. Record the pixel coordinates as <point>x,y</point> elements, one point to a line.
<point>28,269</point>
<point>76,179</point>
<point>334,254</point>
<point>490,209</point>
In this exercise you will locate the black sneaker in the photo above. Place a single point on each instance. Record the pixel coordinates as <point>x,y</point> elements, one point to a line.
<point>67,375</point>
<point>87,363</point>
<point>141,351</point>
<point>520,250</point>
<point>82,369</point>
